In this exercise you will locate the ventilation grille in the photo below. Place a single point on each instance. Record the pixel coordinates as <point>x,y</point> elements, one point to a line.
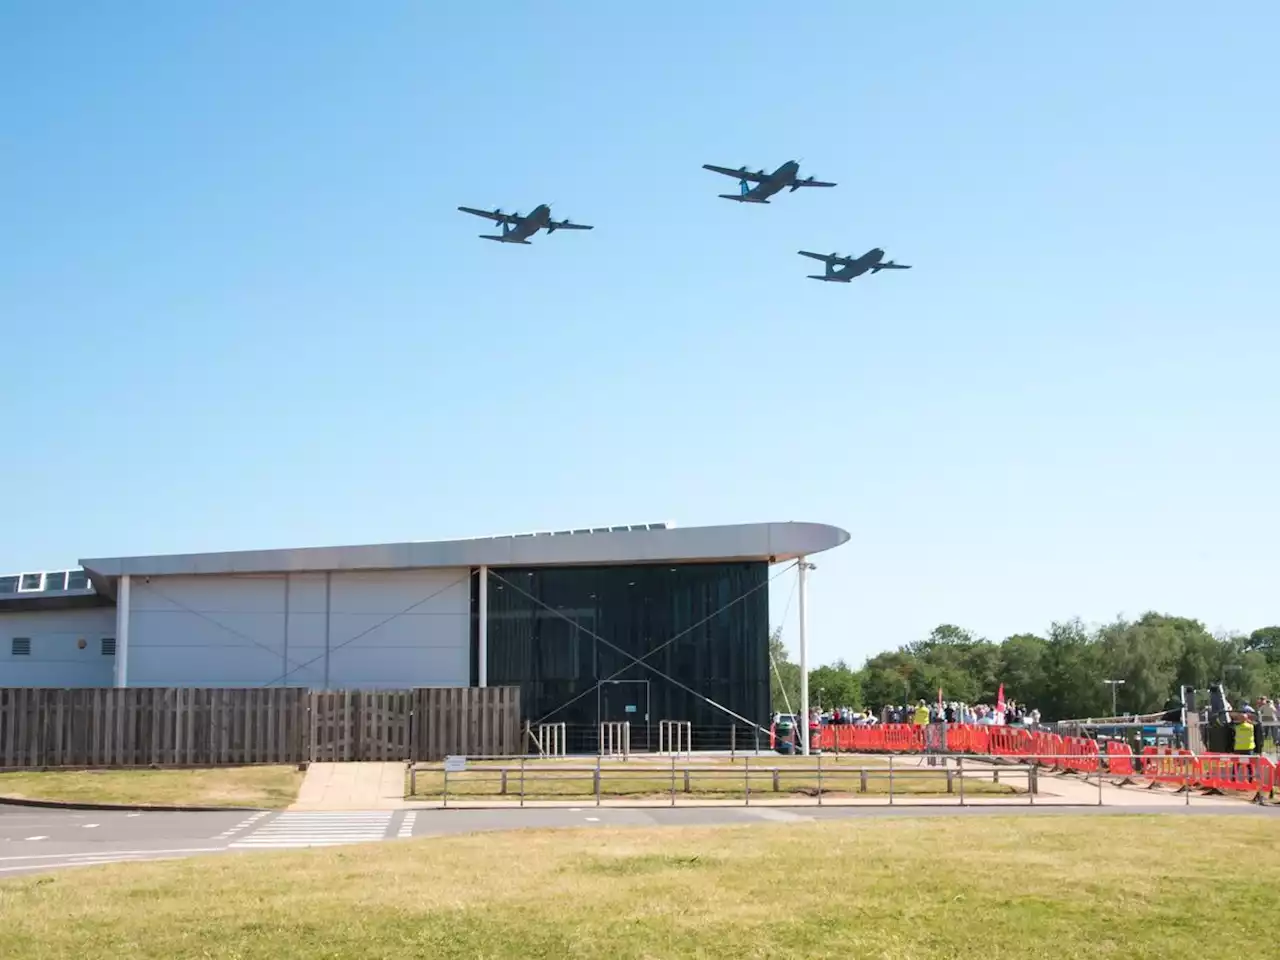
<point>108,647</point>
<point>21,647</point>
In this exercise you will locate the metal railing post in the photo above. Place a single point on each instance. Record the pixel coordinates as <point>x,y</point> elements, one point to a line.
<point>960,775</point>
<point>597,781</point>
<point>819,778</point>
<point>522,781</point>
<point>746,781</point>
<point>673,781</point>
<point>891,779</point>
<point>445,797</point>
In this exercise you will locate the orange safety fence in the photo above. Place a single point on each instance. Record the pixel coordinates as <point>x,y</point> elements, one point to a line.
<point>1120,758</point>
<point>1245,773</point>
<point>1211,771</point>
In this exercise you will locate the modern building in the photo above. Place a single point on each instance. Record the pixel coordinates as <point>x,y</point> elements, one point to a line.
<point>637,623</point>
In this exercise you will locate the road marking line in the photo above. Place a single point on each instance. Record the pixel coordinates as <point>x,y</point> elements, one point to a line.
<point>593,819</point>
<point>64,856</point>
<point>90,826</point>
<point>406,825</point>
<point>37,838</point>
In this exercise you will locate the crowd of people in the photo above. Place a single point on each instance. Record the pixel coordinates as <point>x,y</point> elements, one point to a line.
<point>1012,714</point>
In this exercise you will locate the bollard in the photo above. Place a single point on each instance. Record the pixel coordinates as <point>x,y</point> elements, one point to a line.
<point>775,779</point>
<point>949,783</point>
<point>862,786</point>
<point>687,787</point>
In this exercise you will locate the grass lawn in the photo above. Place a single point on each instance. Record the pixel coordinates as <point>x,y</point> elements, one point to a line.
<point>1116,886</point>
<point>264,786</point>
<point>649,777</point>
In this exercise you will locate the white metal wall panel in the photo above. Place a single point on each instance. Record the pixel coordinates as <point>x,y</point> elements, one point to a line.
<point>345,630</point>
<point>56,659</point>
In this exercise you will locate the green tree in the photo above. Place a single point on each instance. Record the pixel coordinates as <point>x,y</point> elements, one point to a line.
<point>1265,640</point>
<point>784,676</point>
<point>1022,667</point>
<point>840,686</point>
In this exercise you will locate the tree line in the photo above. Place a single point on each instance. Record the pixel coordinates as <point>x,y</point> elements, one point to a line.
<point>1063,672</point>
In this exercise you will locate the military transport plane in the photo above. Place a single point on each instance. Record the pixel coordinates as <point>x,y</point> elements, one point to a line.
<point>843,269</point>
<point>517,229</point>
<point>766,184</point>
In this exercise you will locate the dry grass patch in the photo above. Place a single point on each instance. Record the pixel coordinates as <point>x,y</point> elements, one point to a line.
<point>259,786</point>
<point>1116,886</point>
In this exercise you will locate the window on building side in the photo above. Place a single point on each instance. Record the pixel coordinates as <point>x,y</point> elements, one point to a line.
<point>21,647</point>
<point>108,647</point>
<point>30,582</point>
<point>8,585</point>
<point>77,580</point>
<point>56,581</point>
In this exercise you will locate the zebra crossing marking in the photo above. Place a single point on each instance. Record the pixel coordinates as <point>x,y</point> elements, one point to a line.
<point>316,829</point>
<point>242,825</point>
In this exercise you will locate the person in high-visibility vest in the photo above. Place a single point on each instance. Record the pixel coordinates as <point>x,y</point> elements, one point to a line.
<point>921,715</point>
<point>1244,735</point>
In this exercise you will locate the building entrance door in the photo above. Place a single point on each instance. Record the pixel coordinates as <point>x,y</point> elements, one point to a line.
<point>627,701</point>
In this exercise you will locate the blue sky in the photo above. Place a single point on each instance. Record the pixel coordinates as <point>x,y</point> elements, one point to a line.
<point>240,310</point>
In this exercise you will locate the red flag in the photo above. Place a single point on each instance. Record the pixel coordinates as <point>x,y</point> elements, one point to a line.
<point>1000,699</point>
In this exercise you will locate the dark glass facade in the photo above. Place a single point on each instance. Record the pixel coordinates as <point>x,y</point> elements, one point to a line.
<point>569,638</point>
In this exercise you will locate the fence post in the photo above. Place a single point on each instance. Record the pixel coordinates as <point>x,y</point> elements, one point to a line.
<point>597,784</point>
<point>960,774</point>
<point>862,785</point>
<point>819,778</point>
<point>733,742</point>
<point>746,781</point>
<point>522,781</point>
<point>775,779</point>
<point>673,780</point>
<point>891,779</point>
<point>504,781</point>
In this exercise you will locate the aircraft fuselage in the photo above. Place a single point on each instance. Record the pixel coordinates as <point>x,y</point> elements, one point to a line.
<point>777,181</point>
<point>537,219</point>
<point>843,273</point>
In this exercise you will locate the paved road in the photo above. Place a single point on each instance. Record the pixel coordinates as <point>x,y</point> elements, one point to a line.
<point>34,840</point>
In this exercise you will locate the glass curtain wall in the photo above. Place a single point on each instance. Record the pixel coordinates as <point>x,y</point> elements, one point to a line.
<point>569,638</point>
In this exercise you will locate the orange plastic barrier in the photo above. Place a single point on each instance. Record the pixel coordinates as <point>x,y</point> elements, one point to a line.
<point>1120,759</point>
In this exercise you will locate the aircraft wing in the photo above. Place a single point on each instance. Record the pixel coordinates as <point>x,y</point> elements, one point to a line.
<point>890,265</point>
<point>566,225</point>
<point>739,174</point>
<point>828,258</point>
<point>814,183</point>
<point>495,215</point>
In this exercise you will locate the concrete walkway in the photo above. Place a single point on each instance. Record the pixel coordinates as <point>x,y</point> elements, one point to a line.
<point>352,786</point>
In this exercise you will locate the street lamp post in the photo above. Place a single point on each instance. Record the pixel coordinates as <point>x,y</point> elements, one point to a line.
<point>1114,684</point>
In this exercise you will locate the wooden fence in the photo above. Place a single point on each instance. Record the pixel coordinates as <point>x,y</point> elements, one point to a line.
<point>186,726</point>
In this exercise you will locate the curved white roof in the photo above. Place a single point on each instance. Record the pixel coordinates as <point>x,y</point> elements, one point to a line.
<point>651,543</point>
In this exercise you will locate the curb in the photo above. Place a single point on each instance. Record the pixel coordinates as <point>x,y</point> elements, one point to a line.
<point>136,807</point>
